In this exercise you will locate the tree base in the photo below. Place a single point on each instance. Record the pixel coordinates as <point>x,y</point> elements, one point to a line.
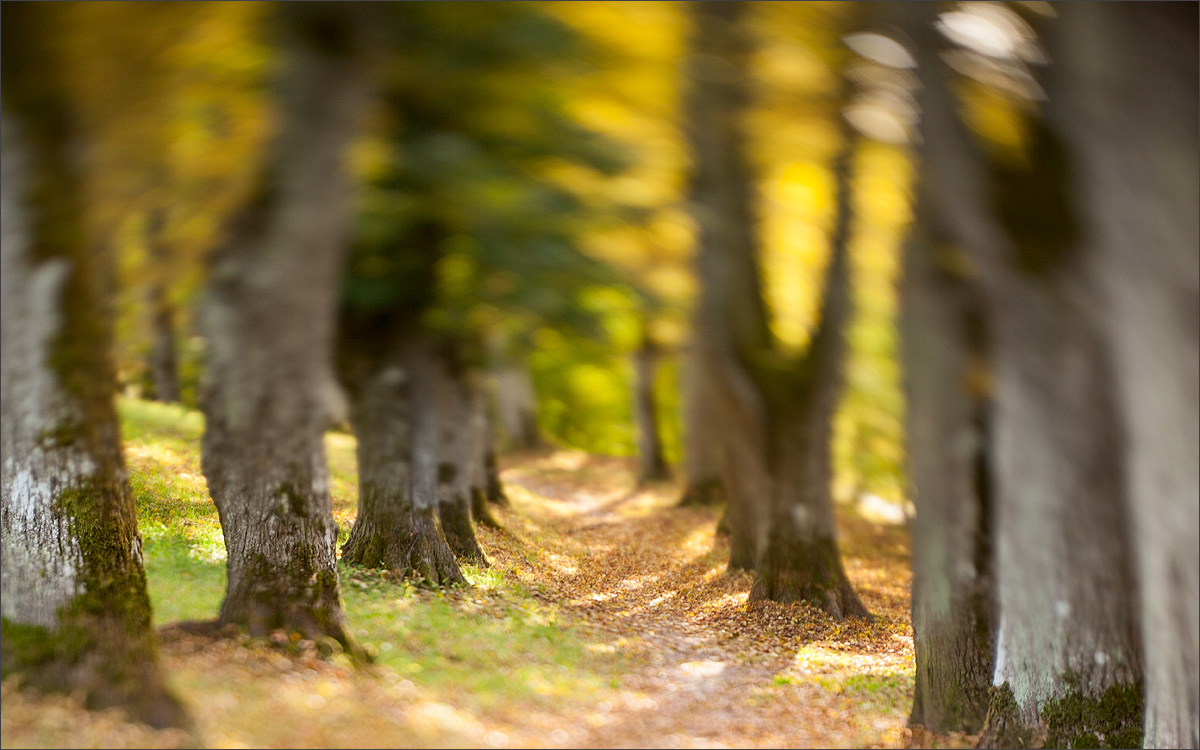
<point>1111,720</point>
<point>413,549</point>
<point>705,493</point>
<point>101,660</point>
<point>810,573</point>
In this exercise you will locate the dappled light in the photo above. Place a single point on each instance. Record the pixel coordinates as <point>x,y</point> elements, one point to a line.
<point>600,374</point>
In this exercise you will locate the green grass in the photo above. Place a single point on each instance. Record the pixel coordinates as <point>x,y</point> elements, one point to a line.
<point>493,643</point>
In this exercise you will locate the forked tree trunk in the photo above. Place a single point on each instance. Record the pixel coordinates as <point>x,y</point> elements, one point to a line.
<point>268,314</point>
<point>652,466</point>
<point>948,452</point>
<point>479,473</point>
<point>701,448</point>
<point>397,526</point>
<point>801,561</point>
<point>1067,634</point>
<point>454,485</point>
<point>1127,104</point>
<point>76,615</point>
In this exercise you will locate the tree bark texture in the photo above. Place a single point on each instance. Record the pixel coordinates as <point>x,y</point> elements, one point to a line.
<point>652,466</point>
<point>1064,579</point>
<point>701,448</point>
<point>397,527</point>
<point>801,561</point>
<point>76,615</point>
<point>454,454</point>
<point>730,319</point>
<point>1127,105</point>
<point>944,353</point>
<point>268,314</point>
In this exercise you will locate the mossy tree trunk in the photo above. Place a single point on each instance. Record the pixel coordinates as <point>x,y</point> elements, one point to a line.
<point>76,615</point>
<point>801,561</point>
<point>451,395</point>
<point>948,452</point>
<point>397,526</point>
<point>1064,578</point>
<point>652,465</point>
<point>1124,96</point>
<point>268,315</point>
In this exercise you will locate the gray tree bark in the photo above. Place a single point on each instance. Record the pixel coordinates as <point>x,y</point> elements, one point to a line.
<point>268,314</point>
<point>652,466</point>
<point>454,454</point>
<point>76,615</point>
<point>397,526</point>
<point>1126,101</point>
<point>1065,590</point>
<point>944,352</point>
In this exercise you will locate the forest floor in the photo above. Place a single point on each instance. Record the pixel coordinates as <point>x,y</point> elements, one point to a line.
<point>606,619</point>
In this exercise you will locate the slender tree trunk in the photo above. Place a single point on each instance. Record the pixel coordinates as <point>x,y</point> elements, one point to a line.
<point>76,615</point>
<point>454,485</point>
<point>652,466</point>
<point>164,367</point>
<point>493,486</point>
<point>948,452</point>
<point>397,527</point>
<point>1127,104</point>
<point>268,314</point>
<point>701,453</point>
<point>516,402</point>
<point>730,319</point>
<point>1067,636</point>
<point>801,561</point>
<point>480,474</point>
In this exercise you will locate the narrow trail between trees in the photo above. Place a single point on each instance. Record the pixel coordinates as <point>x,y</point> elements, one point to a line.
<point>606,619</point>
<point>705,668</point>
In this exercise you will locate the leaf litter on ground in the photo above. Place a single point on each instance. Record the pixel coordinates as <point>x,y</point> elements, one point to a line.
<point>606,619</point>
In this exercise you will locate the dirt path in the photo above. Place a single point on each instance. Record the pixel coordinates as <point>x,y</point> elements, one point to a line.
<point>706,669</point>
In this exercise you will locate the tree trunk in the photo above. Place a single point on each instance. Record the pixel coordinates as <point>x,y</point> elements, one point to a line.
<point>730,319</point>
<point>164,367</point>
<point>454,449</point>
<point>1067,644</point>
<point>801,561</point>
<point>516,402</point>
<point>948,453</point>
<point>652,467</point>
<point>397,526</point>
<point>480,452</point>
<point>268,314</point>
<point>1127,104</point>
<point>76,615</point>
<point>701,452</point>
